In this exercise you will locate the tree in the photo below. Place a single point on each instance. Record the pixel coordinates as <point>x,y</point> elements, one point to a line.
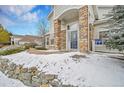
<point>4,35</point>
<point>42,26</point>
<point>116,28</point>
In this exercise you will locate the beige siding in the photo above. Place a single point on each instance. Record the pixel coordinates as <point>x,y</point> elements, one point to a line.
<point>91,15</point>
<point>103,10</point>
<point>51,28</point>
<point>59,9</point>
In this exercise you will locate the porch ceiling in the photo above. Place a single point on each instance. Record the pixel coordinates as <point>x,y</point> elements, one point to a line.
<point>69,15</point>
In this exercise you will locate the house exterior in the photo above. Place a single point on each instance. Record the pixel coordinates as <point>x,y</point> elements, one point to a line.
<point>78,27</point>
<point>69,27</point>
<point>97,24</point>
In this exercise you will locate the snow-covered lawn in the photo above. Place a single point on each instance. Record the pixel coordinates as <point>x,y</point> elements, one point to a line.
<point>7,82</point>
<point>93,70</point>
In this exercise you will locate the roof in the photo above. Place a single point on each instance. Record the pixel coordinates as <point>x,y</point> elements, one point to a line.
<point>30,39</point>
<point>101,21</point>
<point>18,36</point>
<point>50,14</point>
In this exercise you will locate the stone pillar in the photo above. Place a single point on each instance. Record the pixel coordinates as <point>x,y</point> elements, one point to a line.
<point>57,29</point>
<point>83,29</point>
<point>63,40</point>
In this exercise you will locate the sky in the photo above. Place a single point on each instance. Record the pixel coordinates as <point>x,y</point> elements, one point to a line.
<point>23,19</point>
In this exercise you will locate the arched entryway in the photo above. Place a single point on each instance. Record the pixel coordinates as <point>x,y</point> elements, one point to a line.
<point>69,27</point>
<point>71,30</point>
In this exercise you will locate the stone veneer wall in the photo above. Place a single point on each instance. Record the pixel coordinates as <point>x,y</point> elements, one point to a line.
<point>60,36</point>
<point>63,40</point>
<point>57,29</point>
<point>83,29</point>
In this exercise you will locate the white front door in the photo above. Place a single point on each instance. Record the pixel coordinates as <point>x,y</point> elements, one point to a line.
<point>72,37</point>
<point>73,40</point>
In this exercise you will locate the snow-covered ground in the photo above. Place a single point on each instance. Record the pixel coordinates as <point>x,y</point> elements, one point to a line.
<point>94,70</point>
<point>7,82</point>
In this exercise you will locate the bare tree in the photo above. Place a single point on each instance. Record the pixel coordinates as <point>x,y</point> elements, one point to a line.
<point>42,29</point>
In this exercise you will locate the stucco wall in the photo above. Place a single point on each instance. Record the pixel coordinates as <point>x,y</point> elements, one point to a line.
<point>103,10</point>
<point>59,9</point>
<point>51,24</point>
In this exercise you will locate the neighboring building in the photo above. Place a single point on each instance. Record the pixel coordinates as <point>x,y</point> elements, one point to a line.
<point>15,39</point>
<point>23,39</point>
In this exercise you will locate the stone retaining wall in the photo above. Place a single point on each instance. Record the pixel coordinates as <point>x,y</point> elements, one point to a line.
<point>29,76</point>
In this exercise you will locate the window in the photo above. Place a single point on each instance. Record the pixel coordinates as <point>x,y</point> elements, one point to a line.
<point>52,41</point>
<point>47,40</point>
<point>104,34</point>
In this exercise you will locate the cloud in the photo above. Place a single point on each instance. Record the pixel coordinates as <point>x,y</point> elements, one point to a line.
<point>18,10</point>
<point>30,17</point>
<point>22,18</point>
<point>5,21</point>
<point>19,13</point>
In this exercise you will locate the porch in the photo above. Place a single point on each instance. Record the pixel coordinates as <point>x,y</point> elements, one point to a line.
<point>71,30</point>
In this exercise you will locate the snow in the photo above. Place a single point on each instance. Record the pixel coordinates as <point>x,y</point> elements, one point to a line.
<point>7,82</point>
<point>94,70</point>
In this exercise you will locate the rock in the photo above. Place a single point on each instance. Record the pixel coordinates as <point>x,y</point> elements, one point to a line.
<point>56,76</point>
<point>2,70</point>
<point>41,74</point>
<point>68,85</point>
<point>44,85</point>
<point>6,72</point>
<point>15,76</point>
<point>12,66</point>
<point>44,81</point>
<point>24,70</point>
<point>10,73</point>
<point>26,76</point>
<point>55,83</point>
<point>32,69</point>
<point>20,76</point>
<point>27,82</point>
<point>4,60</point>
<point>17,70</point>
<point>35,84</point>
<point>4,65</point>
<point>37,73</point>
<point>20,66</point>
<point>36,79</point>
<point>49,77</point>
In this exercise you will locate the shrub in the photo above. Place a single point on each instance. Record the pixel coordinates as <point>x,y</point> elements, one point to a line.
<point>40,48</point>
<point>11,51</point>
<point>29,45</point>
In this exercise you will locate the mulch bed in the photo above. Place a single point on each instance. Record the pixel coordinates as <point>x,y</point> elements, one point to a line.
<point>78,56</point>
<point>118,57</point>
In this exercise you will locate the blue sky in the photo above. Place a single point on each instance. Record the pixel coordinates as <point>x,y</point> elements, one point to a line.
<point>23,19</point>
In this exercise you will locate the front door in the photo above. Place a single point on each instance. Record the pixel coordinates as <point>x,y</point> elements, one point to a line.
<point>73,40</point>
